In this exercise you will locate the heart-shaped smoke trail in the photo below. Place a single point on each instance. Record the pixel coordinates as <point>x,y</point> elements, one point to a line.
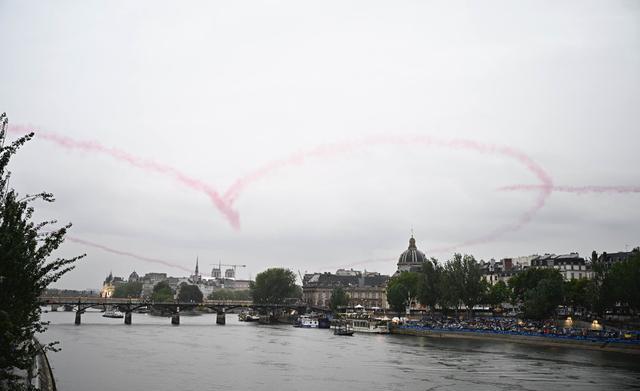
<point>225,202</point>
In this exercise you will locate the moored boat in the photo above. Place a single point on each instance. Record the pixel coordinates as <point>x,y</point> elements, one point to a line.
<point>113,313</point>
<point>343,328</point>
<point>307,321</point>
<point>248,316</point>
<point>366,323</point>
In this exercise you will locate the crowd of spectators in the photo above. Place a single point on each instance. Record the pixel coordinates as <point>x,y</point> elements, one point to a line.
<point>504,325</point>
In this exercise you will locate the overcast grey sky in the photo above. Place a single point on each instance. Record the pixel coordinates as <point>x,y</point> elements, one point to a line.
<point>221,90</point>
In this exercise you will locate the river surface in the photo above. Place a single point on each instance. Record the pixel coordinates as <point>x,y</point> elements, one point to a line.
<point>151,354</point>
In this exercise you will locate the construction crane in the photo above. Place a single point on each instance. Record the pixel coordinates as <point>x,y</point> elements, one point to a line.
<point>220,265</point>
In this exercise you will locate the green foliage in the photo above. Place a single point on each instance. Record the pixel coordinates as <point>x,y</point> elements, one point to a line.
<point>622,283</point>
<point>339,298</point>
<point>130,289</point>
<point>498,293</point>
<point>457,282</point>
<point>162,292</point>
<point>529,279</point>
<point>429,283</point>
<point>25,269</point>
<point>402,290</point>
<point>230,294</point>
<point>540,291</point>
<point>576,292</point>
<point>473,286</point>
<point>189,293</point>
<point>541,302</point>
<point>274,286</point>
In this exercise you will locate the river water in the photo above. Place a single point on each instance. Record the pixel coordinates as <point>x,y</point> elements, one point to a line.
<point>104,354</point>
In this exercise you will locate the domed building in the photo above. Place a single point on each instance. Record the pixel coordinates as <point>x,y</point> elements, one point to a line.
<point>412,259</point>
<point>134,277</point>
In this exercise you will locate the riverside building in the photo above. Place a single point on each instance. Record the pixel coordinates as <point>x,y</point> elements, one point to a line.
<point>367,289</point>
<point>572,266</point>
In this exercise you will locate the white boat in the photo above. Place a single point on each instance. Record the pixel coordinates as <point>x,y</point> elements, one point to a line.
<point>307,321</point>
<point>367,324</point>
<point>248,316</point>
<point>113,313</point>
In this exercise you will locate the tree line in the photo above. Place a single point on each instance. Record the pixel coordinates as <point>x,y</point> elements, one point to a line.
<point>538,292</point>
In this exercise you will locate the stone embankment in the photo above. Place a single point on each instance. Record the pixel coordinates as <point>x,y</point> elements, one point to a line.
<point>539,340</point>
<point>45,380</point>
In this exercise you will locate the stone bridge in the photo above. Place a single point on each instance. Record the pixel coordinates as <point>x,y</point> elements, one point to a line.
<point>127,306</point>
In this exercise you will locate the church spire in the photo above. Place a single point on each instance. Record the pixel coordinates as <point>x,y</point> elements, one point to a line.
<point>196,265</point>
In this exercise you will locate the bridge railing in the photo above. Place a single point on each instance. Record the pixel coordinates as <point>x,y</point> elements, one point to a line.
<point>46,300</point>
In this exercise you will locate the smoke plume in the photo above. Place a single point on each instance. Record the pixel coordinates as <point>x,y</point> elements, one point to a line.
<point>126,253</point>
<point>224,201</point>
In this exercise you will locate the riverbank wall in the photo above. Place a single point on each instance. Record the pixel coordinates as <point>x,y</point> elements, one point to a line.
<point>539,340</point>
<point>45,380</point>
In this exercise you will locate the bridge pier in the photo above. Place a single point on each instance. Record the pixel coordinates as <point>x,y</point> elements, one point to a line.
<point>175,319</point>
<point>78,317</point>
<point>221,317</point>
<point>127,317</point>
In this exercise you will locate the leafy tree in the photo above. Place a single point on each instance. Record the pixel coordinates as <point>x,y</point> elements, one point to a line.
<point>540,291</point>
<point>230,294</point>
<point>274,286</point>
<point>498,293</point>
<point>402,290</point>
<point>621,285</point>
<point>428,283</point>
<point>189,293</point>
<point>448,290</point>
<point>529,279</point>
<point>129,289</point>
<point>595,293</point>
<point>575,292</point>
<point>452,285</point>
<point>162,292</point>
<point>25,269</point>
<point>339,298</point>
<point>541,301</point>
<point>473,286</point>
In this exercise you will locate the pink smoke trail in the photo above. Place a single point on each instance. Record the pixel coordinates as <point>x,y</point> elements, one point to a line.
<point>224,203</point>
<point>577,189</point>
<point>335,149</point>
<point>144,164</point>
<point>127,254</point>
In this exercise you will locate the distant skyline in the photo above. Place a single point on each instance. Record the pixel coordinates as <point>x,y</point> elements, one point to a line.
<point>315,137</point>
